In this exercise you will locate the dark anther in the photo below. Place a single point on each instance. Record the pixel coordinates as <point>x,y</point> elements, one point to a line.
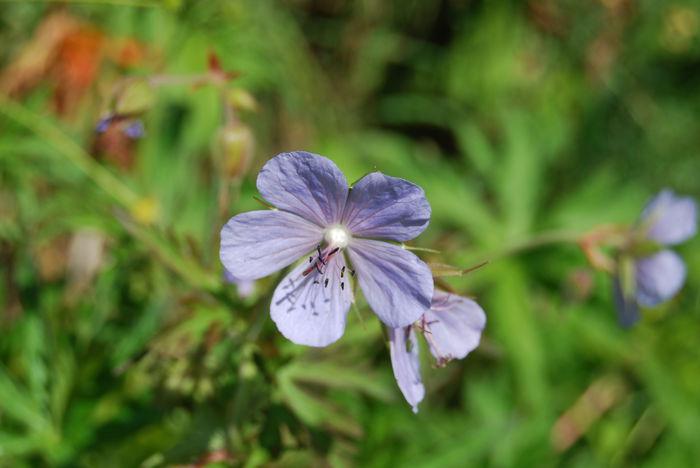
<point>342,286</point>
<point>352,272</point>
<point>316,282</point>
<point>333,251</point>
<point>311,259</point>
<point>342,271</point>
<point>325,283</point>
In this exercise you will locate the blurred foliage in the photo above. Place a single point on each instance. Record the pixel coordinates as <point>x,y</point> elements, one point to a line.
<point>121,345</point>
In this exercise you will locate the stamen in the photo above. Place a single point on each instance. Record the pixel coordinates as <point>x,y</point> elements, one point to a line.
<point>320,260</point>
<point>342,271</point>
<point>342,286</point>
<point>423,327</point>
<point>325,283</point>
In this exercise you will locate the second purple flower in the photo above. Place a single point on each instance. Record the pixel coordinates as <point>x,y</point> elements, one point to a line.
<point>320,219</point>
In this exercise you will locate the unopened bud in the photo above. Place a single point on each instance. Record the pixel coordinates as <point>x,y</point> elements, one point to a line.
<point>234,149</point>
<point>135,98</point>
<point>241,99</point>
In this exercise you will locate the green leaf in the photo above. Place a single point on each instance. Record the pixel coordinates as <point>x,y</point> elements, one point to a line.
<point>342,377</point>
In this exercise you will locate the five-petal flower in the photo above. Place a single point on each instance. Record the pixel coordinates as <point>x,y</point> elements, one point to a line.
<point>320,219</point>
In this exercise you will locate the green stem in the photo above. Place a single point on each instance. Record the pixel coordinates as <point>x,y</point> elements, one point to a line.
<point>540,240</point>
<point>181,80</point>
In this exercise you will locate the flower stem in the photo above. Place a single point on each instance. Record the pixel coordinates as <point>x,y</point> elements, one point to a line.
<point>542,239</point>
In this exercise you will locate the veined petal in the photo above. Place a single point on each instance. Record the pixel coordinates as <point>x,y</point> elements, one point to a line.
<point>659,277</point>
<point>311,309</point>
<point>397,284</point>
<point>304,183</point>
<point>406,365</point>
<point>258,243</point>
<point>455,325</point>
<point>671,219</point>
<point>384,207</point>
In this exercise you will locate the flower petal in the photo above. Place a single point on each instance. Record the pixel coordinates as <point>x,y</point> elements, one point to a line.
<point>306,184</point>
<point>258,243</point>
<point>659,277</point>
<point>384,207</point>
<point>455,325</point>
<point>245,288</point>
<point>311,309</point>
<point>406,365</point>
<point>627,307</point>
<point>671,219</point>
<point>397,284</point>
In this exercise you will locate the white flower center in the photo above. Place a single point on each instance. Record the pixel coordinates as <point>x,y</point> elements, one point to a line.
<point>337,236</point>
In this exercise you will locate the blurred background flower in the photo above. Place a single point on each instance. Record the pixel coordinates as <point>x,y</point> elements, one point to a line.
<point>647,272</point>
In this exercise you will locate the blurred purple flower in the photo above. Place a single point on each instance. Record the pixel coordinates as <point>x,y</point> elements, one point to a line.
<point>319,218</point>
<point>245,288</point>
<point>135,129</point>
<point>103,124</point>
<point>131,127</point>
<point>452,327</point>
<point>666,220</point>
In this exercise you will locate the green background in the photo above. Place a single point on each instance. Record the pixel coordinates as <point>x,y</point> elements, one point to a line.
<point>526,123</point>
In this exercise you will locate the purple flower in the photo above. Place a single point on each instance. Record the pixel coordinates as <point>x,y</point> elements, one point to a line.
<point>135,129</point>
<point>104,124</point>
<point>666,220</point>
<point>131,127</point>
<point>452,327</point>
<point>245,288</point>
<point>318,218</point>
<point>658,276</point>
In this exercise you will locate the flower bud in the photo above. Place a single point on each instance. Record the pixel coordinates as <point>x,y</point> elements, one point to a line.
<point>233,148</point>
<point>241,99</point>
<point>135,98</point>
